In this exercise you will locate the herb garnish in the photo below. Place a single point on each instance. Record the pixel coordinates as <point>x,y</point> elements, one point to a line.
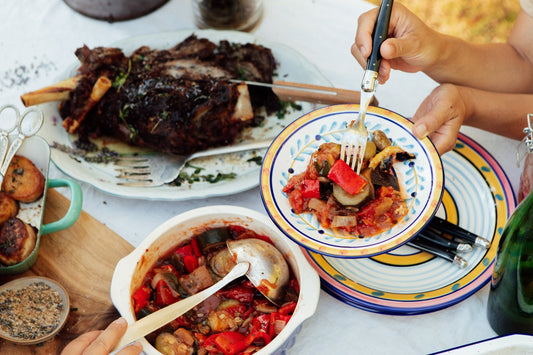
<point>285,106</point>
<point>121,77</point>
<point>196,176</point>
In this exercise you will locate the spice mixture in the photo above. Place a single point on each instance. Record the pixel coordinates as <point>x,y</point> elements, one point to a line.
<point>30,312</point>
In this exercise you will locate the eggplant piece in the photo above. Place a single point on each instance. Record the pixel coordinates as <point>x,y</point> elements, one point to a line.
<point>222,262</point>
<point>383,178</point>
<point>347,199</point>
<point>403,156</point>
<point>326,189</point>
<point>213,239</point>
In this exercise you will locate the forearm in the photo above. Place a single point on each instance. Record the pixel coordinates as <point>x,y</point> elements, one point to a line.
<point>503,67</point>
<point>500,113</point>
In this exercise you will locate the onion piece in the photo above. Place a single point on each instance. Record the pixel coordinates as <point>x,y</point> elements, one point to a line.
<point>344,221</point>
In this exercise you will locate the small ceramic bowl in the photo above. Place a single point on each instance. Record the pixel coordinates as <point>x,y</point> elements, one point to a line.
<point>58,311</point>
<point>421,180</point>
<point>37,150</point>
<point>130,270</point>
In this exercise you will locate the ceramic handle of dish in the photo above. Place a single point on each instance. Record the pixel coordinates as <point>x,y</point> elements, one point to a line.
<point>379,35</point>
<point>165,315</point>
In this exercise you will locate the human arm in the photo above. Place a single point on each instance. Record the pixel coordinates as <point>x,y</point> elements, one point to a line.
<point>413,46</point>
<point>101,342</point>
<point>448,107</point>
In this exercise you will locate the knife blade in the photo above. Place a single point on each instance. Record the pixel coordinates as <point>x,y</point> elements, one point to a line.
<point>290,91</point>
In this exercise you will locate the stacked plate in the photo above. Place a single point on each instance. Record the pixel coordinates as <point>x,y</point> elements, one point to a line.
<point>381,273</point>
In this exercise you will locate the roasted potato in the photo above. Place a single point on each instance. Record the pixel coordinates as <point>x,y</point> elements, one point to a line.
<point>23,182</point>
<point>9,207</point>
<point>17,241</point>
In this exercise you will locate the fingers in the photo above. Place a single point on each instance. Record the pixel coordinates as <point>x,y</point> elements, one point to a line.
<point>440,117</point>
<point>107,339</point>
<point>363,36</point>
<point>78,345</point>
<point>102,342</point>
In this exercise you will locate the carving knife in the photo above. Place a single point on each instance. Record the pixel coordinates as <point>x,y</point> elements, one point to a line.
<point>289,91</point>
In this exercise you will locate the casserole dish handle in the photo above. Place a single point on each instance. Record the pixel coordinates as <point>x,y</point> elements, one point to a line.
<point>74,209</point>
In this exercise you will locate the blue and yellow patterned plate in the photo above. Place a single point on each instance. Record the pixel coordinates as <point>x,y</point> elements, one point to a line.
<point>478,197</point>
<point>421,180</point>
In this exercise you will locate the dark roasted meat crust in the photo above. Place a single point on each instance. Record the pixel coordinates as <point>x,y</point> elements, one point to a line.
<point>177,100</point>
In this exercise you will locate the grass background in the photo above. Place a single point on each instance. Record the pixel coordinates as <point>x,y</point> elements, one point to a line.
<point>479,21</point>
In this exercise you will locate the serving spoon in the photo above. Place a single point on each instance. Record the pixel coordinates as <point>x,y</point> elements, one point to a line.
<point>261,262</point>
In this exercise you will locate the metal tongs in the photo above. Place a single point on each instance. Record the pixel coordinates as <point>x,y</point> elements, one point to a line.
<point>26,125</point>
<point>528,141</point>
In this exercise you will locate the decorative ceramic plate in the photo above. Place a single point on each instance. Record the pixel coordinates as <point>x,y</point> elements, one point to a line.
<point>479,198</point>
<point>420,179</point>
<point>292,66</point>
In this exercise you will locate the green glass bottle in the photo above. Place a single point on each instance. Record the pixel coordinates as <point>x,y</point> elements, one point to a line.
<point>510,303</point>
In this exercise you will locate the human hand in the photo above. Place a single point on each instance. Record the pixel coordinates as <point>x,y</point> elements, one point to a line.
<point>102,342</point>
<point>440,117</point>
<point>412,46</point>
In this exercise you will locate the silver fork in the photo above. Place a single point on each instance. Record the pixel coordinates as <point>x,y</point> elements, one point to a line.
<point>354,140</point>
<point>159,169</point>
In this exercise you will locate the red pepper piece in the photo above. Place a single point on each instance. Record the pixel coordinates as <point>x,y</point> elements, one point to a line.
<point>190,262</point>
<point>184,251</point>
<point>271,329</point>
<point>310,188</point>
<point>240,293</point>
<point>254,337</point>
<point>230,342</point>
<point>345,177</point>
<point>195,248</point>
<point>261,323</point>
<point>141,297</point>
<point>163,296</point>
<point>288,308</point>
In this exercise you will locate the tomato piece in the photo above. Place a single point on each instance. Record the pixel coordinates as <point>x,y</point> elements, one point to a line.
<point>345,177</point>
<point>296,200</point>
<point>310,188</point>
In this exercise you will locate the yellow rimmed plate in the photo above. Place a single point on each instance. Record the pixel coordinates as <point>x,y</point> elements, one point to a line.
<point>478,197</point>
<point>420,179</point>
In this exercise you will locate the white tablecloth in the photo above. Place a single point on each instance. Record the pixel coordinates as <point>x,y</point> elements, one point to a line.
<point>38,39</point>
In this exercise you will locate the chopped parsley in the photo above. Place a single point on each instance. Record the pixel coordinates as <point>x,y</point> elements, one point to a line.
<point>197,176</point>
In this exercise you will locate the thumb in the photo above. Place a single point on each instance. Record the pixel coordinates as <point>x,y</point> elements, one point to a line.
<point>393,48</point>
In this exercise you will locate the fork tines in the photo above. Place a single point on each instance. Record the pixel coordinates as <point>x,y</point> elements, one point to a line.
<point>134,168</point>
<point>353,149</point>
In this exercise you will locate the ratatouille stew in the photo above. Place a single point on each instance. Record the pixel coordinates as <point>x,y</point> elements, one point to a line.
<point>236,320</point>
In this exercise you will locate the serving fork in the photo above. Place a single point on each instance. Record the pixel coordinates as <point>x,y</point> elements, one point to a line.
<point>158,169</point>
<point>354,140</point>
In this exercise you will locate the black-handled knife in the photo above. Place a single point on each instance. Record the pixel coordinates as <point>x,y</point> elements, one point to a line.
<point>444,242</point>
<point>444,226</point>
<point>427,246</point>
